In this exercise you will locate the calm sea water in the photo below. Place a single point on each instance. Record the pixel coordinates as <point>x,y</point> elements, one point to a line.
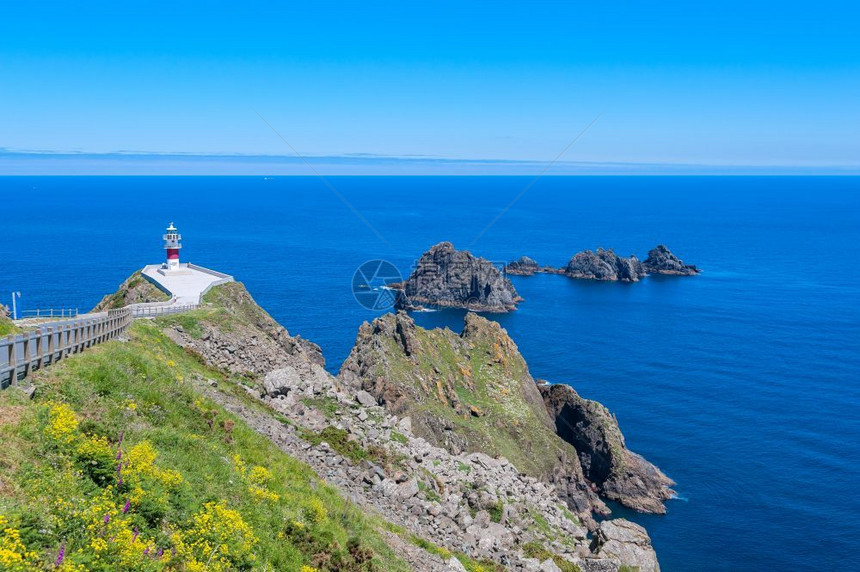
<point>743,384</point>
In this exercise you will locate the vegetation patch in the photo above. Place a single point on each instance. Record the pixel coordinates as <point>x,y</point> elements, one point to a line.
<point>535,550</point>
<point>118,464</point>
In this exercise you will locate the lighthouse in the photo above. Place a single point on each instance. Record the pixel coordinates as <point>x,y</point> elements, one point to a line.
<point>172,244</point>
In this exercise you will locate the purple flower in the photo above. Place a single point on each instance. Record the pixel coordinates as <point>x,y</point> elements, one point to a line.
<point>160,553</point>
<point>62,555</point>
<point>107,518</point>
<point>134,538</point>
<point>118,454</point>
<point>146,550</point>
<point>127,506</point>
<point>119,468</point>
<point>119,482</point>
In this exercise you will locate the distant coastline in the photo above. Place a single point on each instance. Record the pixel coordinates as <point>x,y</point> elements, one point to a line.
<point>63,163</point>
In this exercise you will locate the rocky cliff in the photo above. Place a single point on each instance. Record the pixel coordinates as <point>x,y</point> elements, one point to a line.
<point>482,509</point>
<point>473,392</point>
<point>466,393</point>
<point>523,266</point>
<point>135,290</point>
<point>661,261</point>
<point>619,474</point>
<point>445,277</point>
<point>604,265</point>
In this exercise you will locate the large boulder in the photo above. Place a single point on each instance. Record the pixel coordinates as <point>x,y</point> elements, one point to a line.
<point>627,543</point>
<point>604,265</point>
<point>661,261</point>
<point>446,277</point>
<point>619,474</point>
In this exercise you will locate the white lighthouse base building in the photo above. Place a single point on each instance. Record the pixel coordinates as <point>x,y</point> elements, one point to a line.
<point>188,283</point>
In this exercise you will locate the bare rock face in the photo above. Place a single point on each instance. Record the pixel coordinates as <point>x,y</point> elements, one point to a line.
<point>604,265</point>
<point>626,542</point>
<point>446,277</point>
<point>661,261</point>
<point>618,473</point>
<point>523,266</point>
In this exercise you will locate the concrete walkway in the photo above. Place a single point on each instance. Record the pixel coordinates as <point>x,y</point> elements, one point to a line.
<point>188,284</point>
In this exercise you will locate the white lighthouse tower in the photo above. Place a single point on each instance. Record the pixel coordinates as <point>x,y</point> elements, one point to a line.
<point>172,244</point>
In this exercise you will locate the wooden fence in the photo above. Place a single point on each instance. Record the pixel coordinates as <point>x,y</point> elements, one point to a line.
<point>23,353</point>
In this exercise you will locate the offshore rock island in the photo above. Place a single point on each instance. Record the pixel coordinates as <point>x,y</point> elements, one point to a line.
<point>605,265</point>
<point>446,277</point>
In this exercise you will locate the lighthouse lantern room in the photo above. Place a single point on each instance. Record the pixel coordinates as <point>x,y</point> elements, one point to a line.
<point>172,244</point>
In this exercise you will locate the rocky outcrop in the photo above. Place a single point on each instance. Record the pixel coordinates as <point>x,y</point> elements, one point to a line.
<point>467,393</point>
<point>523,266</point>
<point>232,332</point>
<point>604,265</point>
<point>445,277</point>
<point>135,290</point>
<point>626,542</point>
<point>619,474</point>
<point>661,261</point>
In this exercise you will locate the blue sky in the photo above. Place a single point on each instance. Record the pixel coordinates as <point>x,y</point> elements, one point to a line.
<point>726,84</point>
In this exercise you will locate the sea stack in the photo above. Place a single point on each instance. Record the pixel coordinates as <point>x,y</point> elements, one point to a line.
<point>523,266</point>
<point>661,261</point>
<point>446,277</point>
<point>604,265</point>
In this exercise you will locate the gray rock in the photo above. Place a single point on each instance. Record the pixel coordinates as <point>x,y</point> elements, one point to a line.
<point>627,542</point>
<point>365,399</point>
<point>604,265</point>
<point>661,261</point>
<point>447,277</point>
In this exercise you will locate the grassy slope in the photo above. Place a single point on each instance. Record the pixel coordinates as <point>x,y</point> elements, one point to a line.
<point>489,379</point>
<point>141,389</point>
<point>225,307</point>
<point>7,327</point>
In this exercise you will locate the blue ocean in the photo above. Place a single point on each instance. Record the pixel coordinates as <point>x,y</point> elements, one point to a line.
<point>742,384</point>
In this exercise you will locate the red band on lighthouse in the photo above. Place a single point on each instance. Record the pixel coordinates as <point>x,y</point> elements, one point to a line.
<point>173,254</point>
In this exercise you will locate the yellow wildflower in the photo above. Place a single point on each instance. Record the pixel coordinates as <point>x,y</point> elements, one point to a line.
<point>260,476</point>
<point>14,556</point>
<point>217,540</point>
<point>62,423</point>
<point>315,512</point>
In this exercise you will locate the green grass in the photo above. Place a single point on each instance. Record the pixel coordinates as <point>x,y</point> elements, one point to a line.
<point>328,406</point>
<point>535,550</point>
<point>141,390</point>
<point>496,511</point>
<point>399,437</point>
<point>8,328</point>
